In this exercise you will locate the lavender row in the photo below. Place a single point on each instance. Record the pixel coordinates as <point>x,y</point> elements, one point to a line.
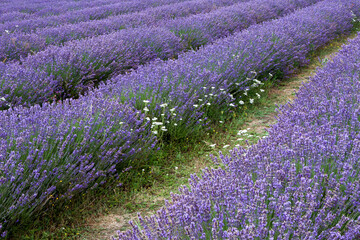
<point>16,45</point>
<point>45,8</point>
<point>301,182</point>
<point>200,29</point>
<point>64,72</point>
<point>82,15</point>
<point>56,152</point>
<point>199,85</point>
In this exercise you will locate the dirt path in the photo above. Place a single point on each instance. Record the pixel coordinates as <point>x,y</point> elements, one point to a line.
<point>258,120</point>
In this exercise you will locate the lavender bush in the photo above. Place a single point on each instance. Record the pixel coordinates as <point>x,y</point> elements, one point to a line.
<point>79,65</point>
<point>57,151</point>
<point>301,182</point>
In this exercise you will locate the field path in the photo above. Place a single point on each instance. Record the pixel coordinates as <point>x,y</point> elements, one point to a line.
<point>258,120</point>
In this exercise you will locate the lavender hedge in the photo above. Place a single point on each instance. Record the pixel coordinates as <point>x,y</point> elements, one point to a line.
<point>81,64</point>
<point>301,182</point>
<point>218,77</point>
<point>82,15</point>
<point>44,8</point>
<point>14,45</point>
<point>58,151</point>
<point>200,29</point>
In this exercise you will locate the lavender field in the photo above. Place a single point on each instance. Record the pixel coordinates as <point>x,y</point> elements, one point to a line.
<point>90,88</point>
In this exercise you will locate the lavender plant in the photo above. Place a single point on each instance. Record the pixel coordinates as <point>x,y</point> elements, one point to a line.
<point>58,151</point>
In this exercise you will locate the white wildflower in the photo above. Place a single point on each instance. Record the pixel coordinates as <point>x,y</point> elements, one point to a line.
<point>226,146</point>
<point>154,118</point>
<point>208,104</point>
<point>2,99</point>
<point>241,102</point>
<point>176,168</point>
<point>7,31</point>
<point>270,74</point>
<point>195,105</point>
<point>241,132</point>
<point>121,123</point>
<point>200,100</point>
<point>175,124</point>
<point>213,145</point>
<point>147,118</point>
<point>163,105</point>
<point>231,105</point>
<point>251,100</point>
<point>146,109</point>
<point>155,132</point>
<point>221,122</point>
<point>146,101</point>
<point>173,109</point>
<point>258,95</point>
<point>262,90</point>
<point>257,81</point>
<point>158,123</point>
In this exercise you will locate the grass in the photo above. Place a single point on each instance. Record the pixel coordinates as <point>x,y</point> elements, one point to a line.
<point>98,214</point>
